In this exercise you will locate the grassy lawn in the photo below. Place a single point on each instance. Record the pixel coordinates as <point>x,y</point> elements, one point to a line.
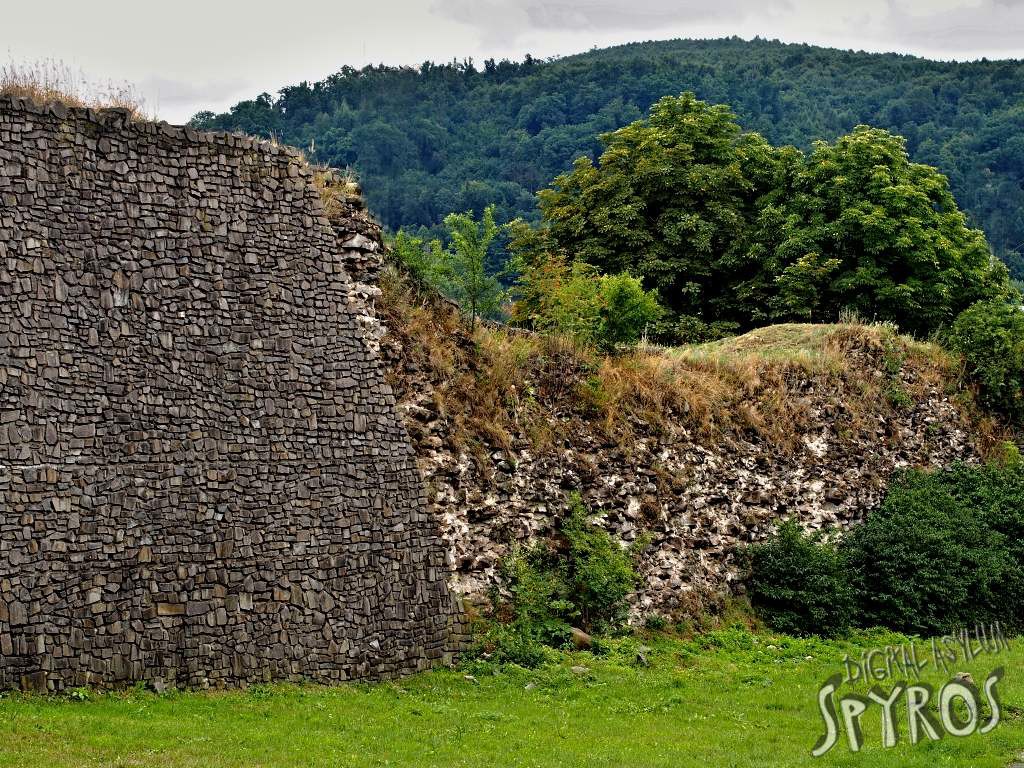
<point>728,698</point>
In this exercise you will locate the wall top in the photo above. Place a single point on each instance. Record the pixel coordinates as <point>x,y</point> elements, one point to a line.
<point>115,118</point>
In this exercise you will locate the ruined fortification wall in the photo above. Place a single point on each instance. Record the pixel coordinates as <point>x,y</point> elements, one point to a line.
<point>695,498</point>
<point>202,477</point>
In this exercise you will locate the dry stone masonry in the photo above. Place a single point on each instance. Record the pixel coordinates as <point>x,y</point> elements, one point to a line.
<point>203,480</point>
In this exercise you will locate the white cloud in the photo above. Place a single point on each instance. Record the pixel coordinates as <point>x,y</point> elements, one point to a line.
<point>964,29</point>
<point>198,54</point>
<point>515,15</point>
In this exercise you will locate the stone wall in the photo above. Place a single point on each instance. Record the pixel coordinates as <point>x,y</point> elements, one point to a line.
<point>203,480</point>
<point>696,498</point>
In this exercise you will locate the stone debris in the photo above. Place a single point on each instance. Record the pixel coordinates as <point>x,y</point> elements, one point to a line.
<point>695,500</point>
<point>580,639</point>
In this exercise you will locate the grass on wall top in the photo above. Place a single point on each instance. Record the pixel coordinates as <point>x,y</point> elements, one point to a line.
<point>47,80</point>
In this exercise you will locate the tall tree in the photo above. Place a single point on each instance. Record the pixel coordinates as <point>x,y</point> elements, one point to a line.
<point>866,229</point>
<point>473,286</point>
<point>734,233</point>
<point>668,200</point>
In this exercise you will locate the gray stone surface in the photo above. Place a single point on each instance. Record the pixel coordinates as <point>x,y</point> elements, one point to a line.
<point>203,480</point>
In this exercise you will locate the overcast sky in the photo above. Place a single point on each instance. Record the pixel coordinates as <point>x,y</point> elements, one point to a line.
<point>189,55</point>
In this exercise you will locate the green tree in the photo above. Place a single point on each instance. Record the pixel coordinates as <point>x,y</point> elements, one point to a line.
<point>668,201</point>
<point>734,233</point>
<point>990,336</point>
<point>425,261</point>
<point>465,263</point>
<point>885,232</point>
<point>801,284</point>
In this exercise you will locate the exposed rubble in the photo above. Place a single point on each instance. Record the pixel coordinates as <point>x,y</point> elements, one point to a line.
<point>695,499</point>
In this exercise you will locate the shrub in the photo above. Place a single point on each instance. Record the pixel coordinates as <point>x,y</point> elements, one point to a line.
<point>627,310</point>
<point>510,644</point>
<point>597,573</point>
<point>692,330</point>
<point>583,578</point>
<point>937,555</point>
<point>799,583</point>
<point>990,336</point>
<point>424,261</point>
<point>997,492</point>
<point>945,550</point>
<point>555,294</point>
<point>537,593</point>
<point>655,623</point>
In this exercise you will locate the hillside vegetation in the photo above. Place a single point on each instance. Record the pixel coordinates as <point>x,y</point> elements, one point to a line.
<point>496,386</point>
<point>733,233</point>
<point>448,137</point>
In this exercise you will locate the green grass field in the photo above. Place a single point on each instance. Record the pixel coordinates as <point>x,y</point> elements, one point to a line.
<point>727,698</point>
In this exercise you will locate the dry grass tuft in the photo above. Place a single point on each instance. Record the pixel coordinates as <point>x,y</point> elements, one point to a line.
<point>714,400</point>
<point>487,384</point>
<point>760,383</point>
<point>498,383</point>
<point>46,81</point>
<point>336,188</point>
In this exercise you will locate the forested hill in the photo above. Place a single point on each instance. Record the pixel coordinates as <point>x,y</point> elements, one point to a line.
<point>427,141</point>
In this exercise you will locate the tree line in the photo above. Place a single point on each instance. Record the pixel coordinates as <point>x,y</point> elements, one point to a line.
<point>688,229</point>
<point>455,137</point>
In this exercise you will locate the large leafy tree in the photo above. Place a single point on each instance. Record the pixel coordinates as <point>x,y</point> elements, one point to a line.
<point>669,200</point>
<point>862,227</point>
<point>734,233</point>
